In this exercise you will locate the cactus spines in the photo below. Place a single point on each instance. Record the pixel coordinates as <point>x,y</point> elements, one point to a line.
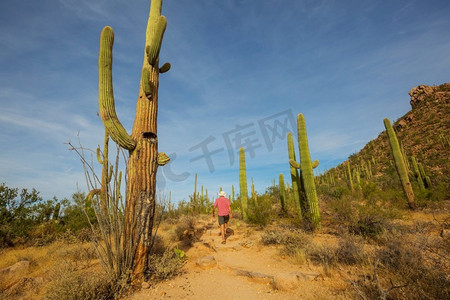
<point>282,192</point>
<point>243,183</point>
<point>294,175</point>
<point>307,175</point>
<point>400,163</point>
<point>143,141</point>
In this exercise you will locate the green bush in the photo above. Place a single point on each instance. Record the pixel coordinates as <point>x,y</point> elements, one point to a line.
<point>260,212</point>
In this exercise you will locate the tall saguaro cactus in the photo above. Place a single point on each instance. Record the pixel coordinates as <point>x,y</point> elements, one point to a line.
<point>400,163</point>
<point>142,143</point>
<point>307,175</point>
<point>243,182</point>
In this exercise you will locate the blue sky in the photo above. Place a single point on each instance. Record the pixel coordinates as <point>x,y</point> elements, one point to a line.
<point>239,68</point>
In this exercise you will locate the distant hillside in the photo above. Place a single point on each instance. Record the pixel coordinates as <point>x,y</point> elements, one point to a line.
<point>424,132</point>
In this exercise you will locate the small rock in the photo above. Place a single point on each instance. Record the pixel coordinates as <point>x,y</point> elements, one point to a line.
<point>206,262</point>
<point>19,267</point>
<point>145,285</point>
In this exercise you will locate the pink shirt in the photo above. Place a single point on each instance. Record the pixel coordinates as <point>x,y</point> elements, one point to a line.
<point>223,205</point>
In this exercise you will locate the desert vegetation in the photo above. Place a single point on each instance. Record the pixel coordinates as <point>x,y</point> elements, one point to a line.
<point>376,226</point>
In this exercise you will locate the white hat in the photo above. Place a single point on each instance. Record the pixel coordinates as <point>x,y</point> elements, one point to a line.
<point>222,194</point>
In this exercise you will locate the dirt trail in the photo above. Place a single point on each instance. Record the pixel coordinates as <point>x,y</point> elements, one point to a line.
<point>241,269</point>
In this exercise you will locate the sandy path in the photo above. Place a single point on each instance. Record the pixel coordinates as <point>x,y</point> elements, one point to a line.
<point>241,269</point>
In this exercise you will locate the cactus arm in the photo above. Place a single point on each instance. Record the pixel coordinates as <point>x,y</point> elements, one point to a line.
<point>146,86</point>
<point>315,164</point>
<point>400,163</point>
<point>294,164</point>
<point>165,68</point>
<point>163,159</point>
<point>154,36</point>
<point>106,95</point>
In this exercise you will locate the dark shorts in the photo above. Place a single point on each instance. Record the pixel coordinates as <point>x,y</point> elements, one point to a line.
<point>223,219</point>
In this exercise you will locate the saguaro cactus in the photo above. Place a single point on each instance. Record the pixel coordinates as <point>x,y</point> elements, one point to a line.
<point>243,183</point>
<point>142,144</point>
<point>400,163</point>
<point>282,192</point>
<point>307,176</point>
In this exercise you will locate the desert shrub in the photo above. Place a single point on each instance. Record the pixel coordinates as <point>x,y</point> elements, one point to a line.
<point>324,254</point>
<point>368,225</point>
<point>285,237</point>
<point>294,241</point>
<point>70,284</point>
<point>407,269</point>
<point>166,265</point>
<point>396,254</point>
<point>185,230</point>
<point>349,251</point>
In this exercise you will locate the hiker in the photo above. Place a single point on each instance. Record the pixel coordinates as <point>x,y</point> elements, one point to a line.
<point>223,213</point>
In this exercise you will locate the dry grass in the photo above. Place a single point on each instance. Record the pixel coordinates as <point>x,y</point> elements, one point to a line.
<point>43,262</point>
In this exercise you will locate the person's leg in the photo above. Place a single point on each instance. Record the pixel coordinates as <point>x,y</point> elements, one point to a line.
<point>222,227</point>
<point>222,231</point>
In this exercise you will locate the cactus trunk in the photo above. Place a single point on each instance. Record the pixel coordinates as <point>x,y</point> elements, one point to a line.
<point>400,164</point>
<point>307,175</point>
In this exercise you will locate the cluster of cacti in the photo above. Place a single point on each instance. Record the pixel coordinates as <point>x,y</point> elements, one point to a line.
<point>418,172</point>
<point>243,183</point>
<point>400,163</point>
<point>349,176</point>
<point>199,202</point>
<point>142,144</point>
<point>304,179</point>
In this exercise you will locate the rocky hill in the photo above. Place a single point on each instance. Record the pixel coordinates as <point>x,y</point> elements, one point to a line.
<point>424,132</point>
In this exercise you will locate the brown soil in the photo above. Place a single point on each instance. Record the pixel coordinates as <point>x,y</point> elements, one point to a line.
<point>243,269</point>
